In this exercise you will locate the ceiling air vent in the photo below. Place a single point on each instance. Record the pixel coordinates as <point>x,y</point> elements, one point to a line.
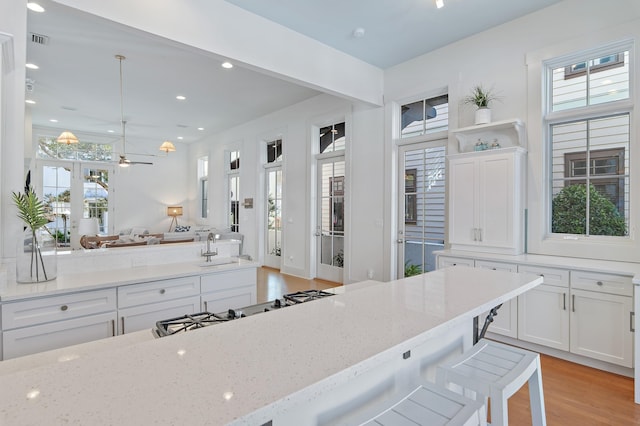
<point>39,39</point>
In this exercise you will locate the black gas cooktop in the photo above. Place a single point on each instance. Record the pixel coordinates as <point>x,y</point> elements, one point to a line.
<point>204,319</point>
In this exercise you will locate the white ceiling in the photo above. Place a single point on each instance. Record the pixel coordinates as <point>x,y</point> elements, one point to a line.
<point>78,79</point>
<point>395,30</point>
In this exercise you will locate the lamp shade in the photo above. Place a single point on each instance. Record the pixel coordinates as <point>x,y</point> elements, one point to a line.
<point>67,137</point>
<point>167,147</point>
<point>174,211</point>
<point>88,226</point>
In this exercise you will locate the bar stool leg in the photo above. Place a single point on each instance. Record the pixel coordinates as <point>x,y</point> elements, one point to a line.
<point>499,410</point>
<point>536,397</point>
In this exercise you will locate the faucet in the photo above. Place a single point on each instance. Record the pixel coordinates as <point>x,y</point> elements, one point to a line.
<point>209,253</point>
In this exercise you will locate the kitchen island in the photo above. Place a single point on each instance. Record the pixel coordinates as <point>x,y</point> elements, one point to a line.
<point>290,366</point>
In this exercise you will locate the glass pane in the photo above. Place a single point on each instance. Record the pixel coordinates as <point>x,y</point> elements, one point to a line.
<point>424,208</point>
<point>96,196</point>
<point>56,190</point>
<point>425,116</point>
<point>274,220</point>
<point>599,80</point>
<point>332,138</point>
<point>234,188</point>
<point>274,151</point>
<point>234,163</point>
<point>204,197</point>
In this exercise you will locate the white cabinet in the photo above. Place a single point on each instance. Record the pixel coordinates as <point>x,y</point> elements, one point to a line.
<point>602,323</point>
<point>234,289</point>
<point>140,306</point>
<point>486,200</point>
<point>506,322</point>
<point>45,323</point>
<point>580,312</point>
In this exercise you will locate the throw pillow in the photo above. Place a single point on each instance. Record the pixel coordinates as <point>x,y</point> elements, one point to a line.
<point>182,228</point>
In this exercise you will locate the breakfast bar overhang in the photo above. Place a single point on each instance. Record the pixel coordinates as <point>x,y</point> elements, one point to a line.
<point>296,364</point>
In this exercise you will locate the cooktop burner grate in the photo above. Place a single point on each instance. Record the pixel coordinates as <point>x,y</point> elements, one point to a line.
<point>306,296</point>
<point>187,323</point>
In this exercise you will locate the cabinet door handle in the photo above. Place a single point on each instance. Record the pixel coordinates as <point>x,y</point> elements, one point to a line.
<point>480,234</point>
<point>564,301</point>
<point>64,307</point>
<point>632,315</point>
<point>122,323</point>
<point>475,234</point>
<point>206,306</point>
<point>573,302</point>
<point>162,291</point>
<point>600,283</point>
<point>113,327</point>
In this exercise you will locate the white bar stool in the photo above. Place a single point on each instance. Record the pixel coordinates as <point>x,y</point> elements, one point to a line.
<point>497,371</point>
<point>425,404</point>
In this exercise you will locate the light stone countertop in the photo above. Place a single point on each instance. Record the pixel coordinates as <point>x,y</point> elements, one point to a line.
<point>247,371</point>
<point>94,280</point>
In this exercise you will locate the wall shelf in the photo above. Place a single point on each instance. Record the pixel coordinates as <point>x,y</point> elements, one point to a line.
<point>506,133</point>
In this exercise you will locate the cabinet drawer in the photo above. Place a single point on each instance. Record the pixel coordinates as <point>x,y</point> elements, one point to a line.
<point>158,291</point>
<point>57,308</point>
<point>496,266</point>
<point>604,283</point>
<point>552,276</point>
<point>446,261</point>
<point>228,280</point>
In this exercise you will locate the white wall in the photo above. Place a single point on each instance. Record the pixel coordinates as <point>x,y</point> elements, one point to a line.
<point>294,125</point>
<point>498,57</point>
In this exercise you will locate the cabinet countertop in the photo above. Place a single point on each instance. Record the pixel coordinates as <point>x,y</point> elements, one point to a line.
<point>81,281</point>
<point>590,265</point>
<point>248,371</point>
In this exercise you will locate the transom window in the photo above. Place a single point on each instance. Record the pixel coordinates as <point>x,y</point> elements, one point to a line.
<point>425,116</point>
<point>48,148</point>
<point>332,138</point>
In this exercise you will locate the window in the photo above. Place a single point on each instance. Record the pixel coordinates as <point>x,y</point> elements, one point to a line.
<point>425,116</point>
<point>332,138</point>
<point>203,186</point>
<point>49,148</point>
<point>588,120</point>
<point>273,170</point>
<point>410,192</point>
<point>234,190</point>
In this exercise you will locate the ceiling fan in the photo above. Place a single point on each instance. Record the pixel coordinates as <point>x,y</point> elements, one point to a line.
<point>124,161</point>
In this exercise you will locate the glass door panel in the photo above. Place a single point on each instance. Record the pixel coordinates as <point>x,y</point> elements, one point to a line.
<point>274,218</point>
<point>331,226</point>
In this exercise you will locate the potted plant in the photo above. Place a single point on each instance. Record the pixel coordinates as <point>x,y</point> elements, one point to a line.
<point>481,98</point>
<point>32,265</point>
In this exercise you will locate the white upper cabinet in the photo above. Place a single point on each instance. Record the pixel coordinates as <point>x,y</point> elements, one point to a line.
<point>486,200</point>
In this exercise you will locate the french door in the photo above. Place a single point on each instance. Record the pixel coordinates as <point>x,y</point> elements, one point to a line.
<point>72,191</point>
<point>330,218</point>
<point>273,239</point>
<point>421,210</point>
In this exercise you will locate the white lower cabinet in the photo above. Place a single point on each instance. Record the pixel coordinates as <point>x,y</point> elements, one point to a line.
<point>45,323</point>
<point>601,326</point>
<point>582,312</point>
<point>140,306</point>
<point>228,290</point>
<point>543,316</point>
<point>39,338</point>
<point>144,317</point>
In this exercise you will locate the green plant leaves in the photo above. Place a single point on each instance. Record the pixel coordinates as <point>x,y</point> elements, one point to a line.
<point>31,210</point>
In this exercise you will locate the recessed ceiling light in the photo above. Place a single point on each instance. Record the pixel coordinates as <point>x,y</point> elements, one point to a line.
<point>53,120</point>
<point>201,128</point>
<point>110,131</point>
<point>358,32</point>
<point>439,3</point>
<point>181,98</point>
<point>32,66</point>
<point>30,101</point>
<point>180,137</point>
<point>35,7</point>
<point>227,65</point>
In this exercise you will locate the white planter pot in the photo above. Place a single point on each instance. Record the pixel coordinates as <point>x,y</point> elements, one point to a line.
<point>483,116</point>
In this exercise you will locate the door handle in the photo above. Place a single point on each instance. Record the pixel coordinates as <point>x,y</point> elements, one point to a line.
<point>573,302</point>
<point>400,241</point>
<point>564,301</point>
<point>632,315</point>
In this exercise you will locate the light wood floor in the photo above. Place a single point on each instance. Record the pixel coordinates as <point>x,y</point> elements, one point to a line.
<point>573,394</point>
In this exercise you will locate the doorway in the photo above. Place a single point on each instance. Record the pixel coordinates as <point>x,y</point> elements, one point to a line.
<point>421,209</point>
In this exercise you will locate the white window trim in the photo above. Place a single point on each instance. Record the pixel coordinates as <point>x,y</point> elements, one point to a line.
<point>539,240</point>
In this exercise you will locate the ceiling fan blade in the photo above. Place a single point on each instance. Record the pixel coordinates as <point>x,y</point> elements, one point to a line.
<point>125,162</point>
